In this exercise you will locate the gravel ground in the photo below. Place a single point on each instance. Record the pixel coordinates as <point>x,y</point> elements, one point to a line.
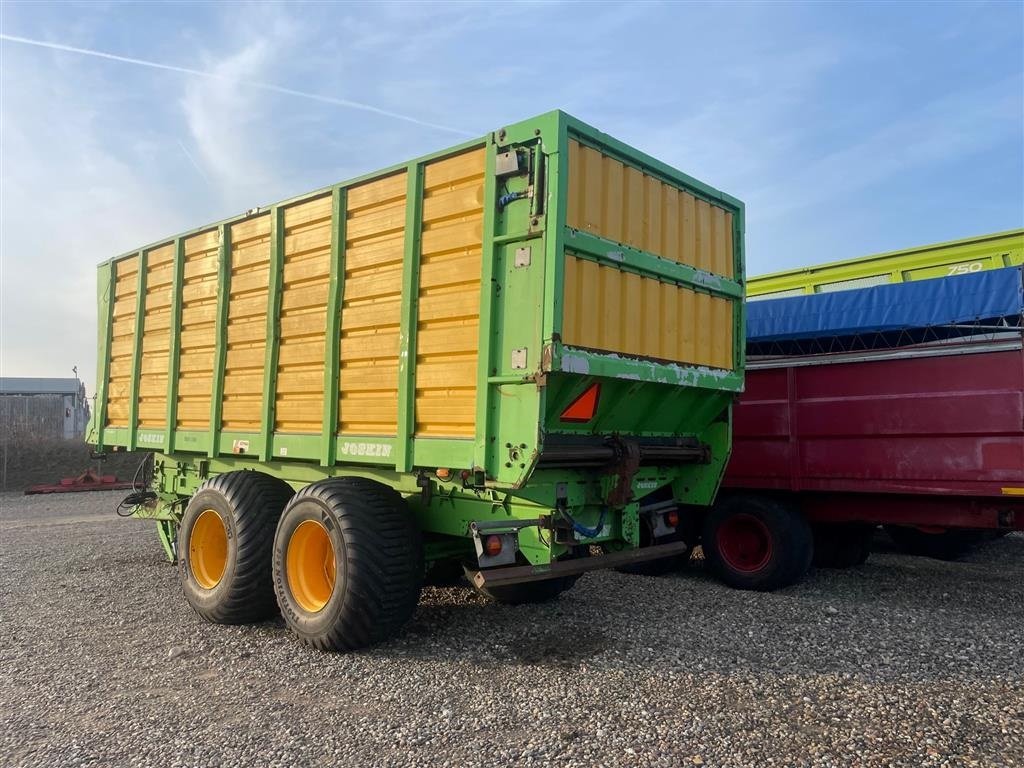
<point>902,662</point>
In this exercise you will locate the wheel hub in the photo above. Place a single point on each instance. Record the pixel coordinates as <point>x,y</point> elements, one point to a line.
<point>208,549</point>
<point>745,543</point>
<point>311,566</point>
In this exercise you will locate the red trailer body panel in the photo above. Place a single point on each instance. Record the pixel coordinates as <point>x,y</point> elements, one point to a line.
<point>919,423</point>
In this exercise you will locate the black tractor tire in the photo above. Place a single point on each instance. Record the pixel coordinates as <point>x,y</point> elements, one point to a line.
<point>225,542</point>
<point>529,592</point>
<point>371,570</point>
<point>947,545</point>
<point>756,542</point>
<point>841,545</point>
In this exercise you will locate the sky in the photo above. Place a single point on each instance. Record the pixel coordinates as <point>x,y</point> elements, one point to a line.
<point>847,129</point>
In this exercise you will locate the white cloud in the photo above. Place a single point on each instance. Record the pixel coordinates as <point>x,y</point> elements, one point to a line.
<point>69,201</point>
<point>223,119</point>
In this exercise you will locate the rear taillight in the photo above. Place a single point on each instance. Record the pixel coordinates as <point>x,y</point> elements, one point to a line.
<point>492,546</point>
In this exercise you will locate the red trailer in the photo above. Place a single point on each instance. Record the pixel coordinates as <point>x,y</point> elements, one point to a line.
<point>900,406</point>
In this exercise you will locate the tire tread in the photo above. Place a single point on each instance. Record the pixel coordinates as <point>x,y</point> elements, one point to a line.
<point>257,501</point>
<point>384,568</point>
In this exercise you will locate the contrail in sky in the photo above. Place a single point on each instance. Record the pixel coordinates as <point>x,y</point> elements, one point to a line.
<point>251,83</point>
<point>193,161</point>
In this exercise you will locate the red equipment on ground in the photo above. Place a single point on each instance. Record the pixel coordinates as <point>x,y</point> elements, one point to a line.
<point>87,481</point>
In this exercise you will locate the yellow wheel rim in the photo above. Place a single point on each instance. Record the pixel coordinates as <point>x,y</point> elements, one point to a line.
<point>208,549</point>
<point>311,567</point>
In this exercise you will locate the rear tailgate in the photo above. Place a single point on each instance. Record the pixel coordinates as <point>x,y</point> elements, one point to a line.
<point>651,303</point>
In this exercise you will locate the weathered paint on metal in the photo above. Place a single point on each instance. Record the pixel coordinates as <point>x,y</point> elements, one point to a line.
<point>913,424</point>
<point>631,260</point>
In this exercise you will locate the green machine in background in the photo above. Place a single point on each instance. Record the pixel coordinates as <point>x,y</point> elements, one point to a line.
<point>957,257</point>
<point>504,357</point>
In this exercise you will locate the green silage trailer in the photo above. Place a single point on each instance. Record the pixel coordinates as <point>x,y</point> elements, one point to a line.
<point>515,358</point>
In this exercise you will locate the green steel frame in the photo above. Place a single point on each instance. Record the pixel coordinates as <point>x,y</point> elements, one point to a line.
<point>271,350</point>
<point>173,361</point>
<point>332,342</point>
<point>516,406</point>
<point>220,345</point>
<point>409,314</point>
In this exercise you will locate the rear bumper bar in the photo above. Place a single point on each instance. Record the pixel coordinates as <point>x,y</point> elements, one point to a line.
<point>558,456</point>
<point>520,574</point>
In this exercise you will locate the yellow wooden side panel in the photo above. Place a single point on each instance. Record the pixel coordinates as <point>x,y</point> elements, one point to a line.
<point>156,337</point>
<point>621,203</point>
<point>246,333</point>
<point>305,278</point>
<point>371,307</point>
<point>198,330</point>
<point>122,341</point>
<point>449,296</point>
<point>605,308</point>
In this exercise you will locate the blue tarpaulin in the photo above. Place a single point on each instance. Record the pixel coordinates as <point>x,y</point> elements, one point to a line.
<point>994,295</point>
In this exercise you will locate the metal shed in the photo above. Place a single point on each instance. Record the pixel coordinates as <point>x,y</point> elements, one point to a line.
<point>42,408</point>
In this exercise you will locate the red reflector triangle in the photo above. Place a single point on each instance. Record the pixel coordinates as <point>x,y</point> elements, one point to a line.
<point>583,407</point>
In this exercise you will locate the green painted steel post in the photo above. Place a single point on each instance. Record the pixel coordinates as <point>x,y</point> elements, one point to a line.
<point>140,327</point>
<point>221,343</point>
<point>165,530</point>
<point>554,272</point>
<point>740,307</point>
<point>174,348</point>
<point>485,339</point>
<point>273,328</point>
<point>105,288</point>
<point>332,343</point>
<point>409,320</point>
